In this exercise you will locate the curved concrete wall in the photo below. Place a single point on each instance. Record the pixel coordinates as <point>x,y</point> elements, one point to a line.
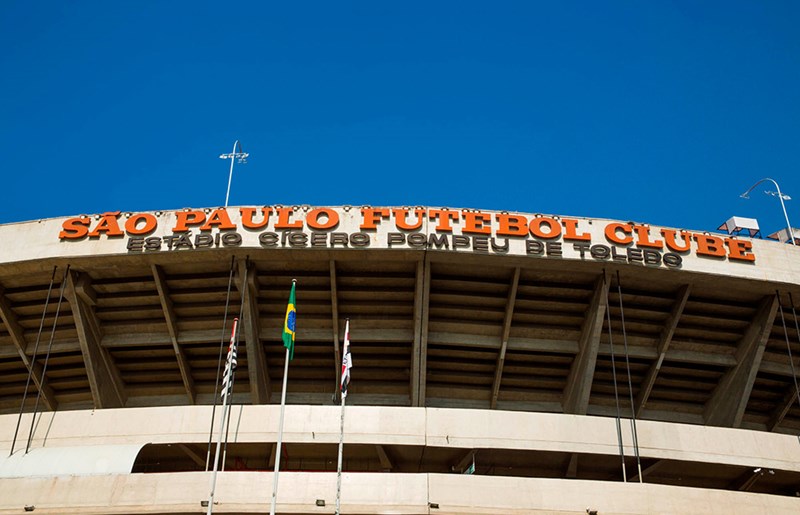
<point>364,493</point>
<point>438,427</point>
<point>370,493</point>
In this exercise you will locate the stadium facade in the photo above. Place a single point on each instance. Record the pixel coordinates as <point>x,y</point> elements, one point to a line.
<point>502,363</point>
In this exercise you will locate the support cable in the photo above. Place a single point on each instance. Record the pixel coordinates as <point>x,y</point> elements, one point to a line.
<point>47,357</point>
<point>233,375</point>
<point>219,362</point>
<point>797,331</point>
<point>616,390</point>
<point>630,385</point>
<point>786,335</point>
<point>33,360</point>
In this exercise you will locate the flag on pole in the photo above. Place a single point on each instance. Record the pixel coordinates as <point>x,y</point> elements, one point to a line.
<point>347,361</point>
<point>289,325</point>
<point>230,363</point>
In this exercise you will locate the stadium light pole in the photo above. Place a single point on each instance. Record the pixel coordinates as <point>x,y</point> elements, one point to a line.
<point>241,156</point>
<point>780,196</point>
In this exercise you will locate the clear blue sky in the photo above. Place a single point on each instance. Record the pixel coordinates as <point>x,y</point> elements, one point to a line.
<point>660,112</point>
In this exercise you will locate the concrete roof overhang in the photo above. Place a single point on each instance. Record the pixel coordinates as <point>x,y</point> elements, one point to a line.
<point>429,326</point>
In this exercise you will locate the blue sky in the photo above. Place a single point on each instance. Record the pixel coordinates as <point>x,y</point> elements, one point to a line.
<point>660,112</point>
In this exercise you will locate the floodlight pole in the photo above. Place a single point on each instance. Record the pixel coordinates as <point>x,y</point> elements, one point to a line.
<point>780,197</point>
<point>233,156</point>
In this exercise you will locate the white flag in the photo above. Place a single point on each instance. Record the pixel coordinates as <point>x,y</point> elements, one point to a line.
<point>347,361</point>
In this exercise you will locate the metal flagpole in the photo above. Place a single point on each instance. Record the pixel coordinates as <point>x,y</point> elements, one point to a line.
<point>225,408</point>
<point>347,363</point>
<point>280,437</point>
<point>219,361</point>
<point>233,156</point>
<point>339,463</point>
<point>289,329</point>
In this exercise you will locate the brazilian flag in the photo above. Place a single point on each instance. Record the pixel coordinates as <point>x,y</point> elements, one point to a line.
<point>289,325</point>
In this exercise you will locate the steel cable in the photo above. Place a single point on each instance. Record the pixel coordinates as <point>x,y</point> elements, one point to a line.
<point>33,359</point>
<point>630,385</point>
<point>47,357</point>
<point>786,336</point>
<point>616,389</point>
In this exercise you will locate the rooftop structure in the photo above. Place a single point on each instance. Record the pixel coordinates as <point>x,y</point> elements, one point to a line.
<point>524,343</point>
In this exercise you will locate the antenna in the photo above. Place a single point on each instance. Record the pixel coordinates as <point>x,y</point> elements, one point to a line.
<point>240,156</point>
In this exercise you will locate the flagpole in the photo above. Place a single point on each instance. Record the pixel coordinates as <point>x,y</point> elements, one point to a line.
<point>347,363</point>
<point>289,325</point>
<point>225,408</point>
<point>280,437</point>
<point>339,463</point>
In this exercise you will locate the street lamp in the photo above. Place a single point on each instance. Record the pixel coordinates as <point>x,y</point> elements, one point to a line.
<point>780,196</point>
<point>241,156</point>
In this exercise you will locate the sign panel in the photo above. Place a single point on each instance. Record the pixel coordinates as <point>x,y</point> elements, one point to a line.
<point>418,228</point>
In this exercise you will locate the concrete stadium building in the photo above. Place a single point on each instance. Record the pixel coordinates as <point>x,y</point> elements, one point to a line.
<point>526,344</point>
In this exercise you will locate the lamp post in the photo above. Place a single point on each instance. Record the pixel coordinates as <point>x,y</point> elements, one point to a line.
<point>780,196</point>
<point>233,156</point>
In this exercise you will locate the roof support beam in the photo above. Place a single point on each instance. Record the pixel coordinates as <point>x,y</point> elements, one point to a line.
<point>749,478</point>
<point>581,374</point>
<point>501,357</point>
<point>572,466</point>
<point>790,395</point>
<point>168,308</point>
<point>386,461</point>
<point>729,400</point>
<point>83,287</point>
<point>663,346</point>
<point>778,369</point>
<point>419,352</point>
<point>648,470</point>
<point>18,337</point>
<point>256,358</point>
<point>104,378</point>
<point>193,454</point>
<point>787,401</point>
<point>337,358</point>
